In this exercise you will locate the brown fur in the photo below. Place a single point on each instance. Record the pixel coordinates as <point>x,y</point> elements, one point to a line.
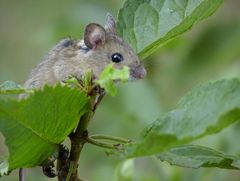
<point>73,57</point>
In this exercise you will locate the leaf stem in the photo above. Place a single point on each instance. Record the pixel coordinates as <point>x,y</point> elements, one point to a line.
<point>17,91</point>
<point>109,137</point>
<point>103,145</point>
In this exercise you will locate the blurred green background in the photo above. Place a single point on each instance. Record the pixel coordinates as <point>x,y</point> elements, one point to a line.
<point>210,51</point>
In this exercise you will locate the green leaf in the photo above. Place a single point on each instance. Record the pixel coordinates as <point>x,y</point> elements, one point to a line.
<point>10,87</point>
<point>193,156</point>
<point>34,126</point>
<point>148,24</point>
<point>110,75</point>
<point>206,110</point>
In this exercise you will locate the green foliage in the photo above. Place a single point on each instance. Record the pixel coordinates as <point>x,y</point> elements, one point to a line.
<point>193,156</point>
<point>34,126</point>
<point>206,110</point>
<point>148,24</point>
<point>111,75</point>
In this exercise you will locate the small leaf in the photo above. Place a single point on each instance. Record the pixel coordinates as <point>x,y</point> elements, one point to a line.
<point>193,156</point>
<point>206,110</point>
<point>110,75</point>
<point>10,87</point>
<point>148,24</point>
<point>87,79</point>
<point>3,168</point>
<point>71,81</point>
<point>33,127</point>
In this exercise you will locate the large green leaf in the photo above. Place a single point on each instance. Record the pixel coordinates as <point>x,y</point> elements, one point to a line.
<point>34,126</point>
<point>206,110</point>
<point>193,156</point>
<point>148,24</point>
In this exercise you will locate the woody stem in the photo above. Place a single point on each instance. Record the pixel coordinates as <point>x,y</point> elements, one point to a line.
<point>78,137</point>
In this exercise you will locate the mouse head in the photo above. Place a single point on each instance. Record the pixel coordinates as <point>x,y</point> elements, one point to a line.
<point>104,47</point>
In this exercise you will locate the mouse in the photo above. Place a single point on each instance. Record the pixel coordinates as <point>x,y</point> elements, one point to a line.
<point>99,47</point>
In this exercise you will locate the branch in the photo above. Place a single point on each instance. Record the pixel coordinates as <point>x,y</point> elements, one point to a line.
<point>21,174</point>
<point>108,137</point>
<point>77,142</point>
<point>78,138</point>
<point>104,145</point>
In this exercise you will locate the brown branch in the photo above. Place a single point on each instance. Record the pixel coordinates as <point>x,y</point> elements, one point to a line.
<point>77,143</point>
<point>21,174</point>
<point>78,139</point>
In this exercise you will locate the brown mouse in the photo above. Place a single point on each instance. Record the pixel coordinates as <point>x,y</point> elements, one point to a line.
<point>100,46</point>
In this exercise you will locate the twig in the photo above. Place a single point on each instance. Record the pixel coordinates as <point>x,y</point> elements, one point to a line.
<point>70,171</point>
<point>21,174</point>
<point>78,138</point>
<point>102,144</point>
<point>77,142</point>
<point>108,137</point>
<point>62,163</point>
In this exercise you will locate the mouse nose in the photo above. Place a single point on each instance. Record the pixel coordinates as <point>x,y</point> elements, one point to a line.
<point>138,72</point>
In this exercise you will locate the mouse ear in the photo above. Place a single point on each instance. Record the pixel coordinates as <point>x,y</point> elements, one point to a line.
<point>110,24</point>
<point>94,35</point>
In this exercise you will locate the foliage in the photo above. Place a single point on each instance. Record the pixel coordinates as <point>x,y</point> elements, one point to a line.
<point>33,127</point>
<point>111,75</point>
<point>193,156</point>
<point>206,110</point>
<point>145,25</point>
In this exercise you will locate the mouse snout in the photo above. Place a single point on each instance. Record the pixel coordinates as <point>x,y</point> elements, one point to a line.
<point>138,72</point>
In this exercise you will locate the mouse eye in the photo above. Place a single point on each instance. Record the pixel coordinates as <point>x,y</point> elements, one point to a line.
<point>117,57</point>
